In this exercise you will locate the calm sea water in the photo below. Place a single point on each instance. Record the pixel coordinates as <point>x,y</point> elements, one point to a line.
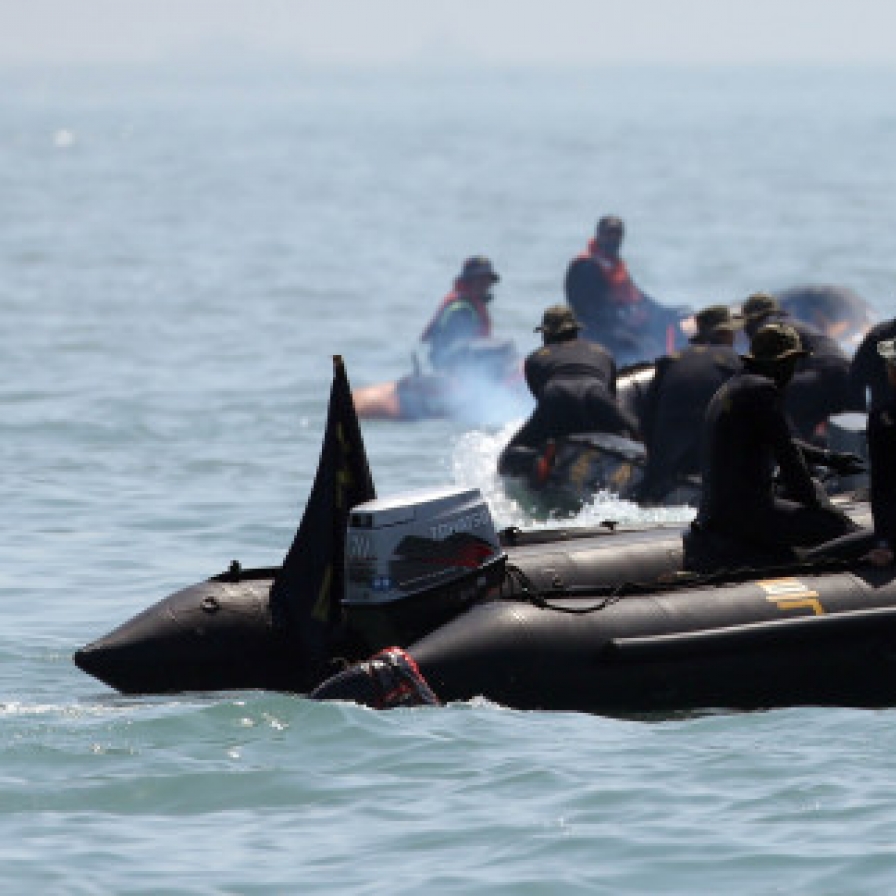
<point>180,254</point>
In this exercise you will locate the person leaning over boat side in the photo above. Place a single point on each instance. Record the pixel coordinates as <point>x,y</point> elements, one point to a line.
<point>820,381</point>
<point>573,381</point>
<point>676,401</point>
<point>745,434</point>
<point>600,290</point>
<point>869,370</point>
<point>462,315</point>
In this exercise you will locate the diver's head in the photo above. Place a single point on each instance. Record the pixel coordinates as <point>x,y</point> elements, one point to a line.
<point>886,348</point>
<point>609,234</point>
<point>558,324</point>
<point>757,310</point>
<point>716,325</point>
<point>774,352</point>
<point>477,276</point>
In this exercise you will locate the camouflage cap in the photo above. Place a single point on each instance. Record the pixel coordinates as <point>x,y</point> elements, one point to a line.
<point>775,342</point>
<point>478,266</point>
<point>557,320</point>
<point>759,305</point>
<point>715,319</point>
<point>886,348</point>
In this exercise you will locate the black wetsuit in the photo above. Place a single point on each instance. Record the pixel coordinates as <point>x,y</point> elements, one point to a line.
<point>572,359</point>
<point>673,411</point>
<point>745,435</point>
<point>574,383</point>
<point>820,386</point>
<point>868,370</point>
<point>882,454</point>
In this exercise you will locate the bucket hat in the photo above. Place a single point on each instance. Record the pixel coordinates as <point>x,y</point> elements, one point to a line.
<point>714,319</point>
<point>886,348</point>
<point>558,320</point>
<point>478,266</point>
<point>760,305</point>
<point>775,342</point>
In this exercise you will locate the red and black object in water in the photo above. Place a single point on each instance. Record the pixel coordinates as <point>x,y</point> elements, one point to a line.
<point>387,680</point>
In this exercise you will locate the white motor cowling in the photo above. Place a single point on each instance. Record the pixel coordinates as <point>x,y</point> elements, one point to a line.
<point>416,543</point>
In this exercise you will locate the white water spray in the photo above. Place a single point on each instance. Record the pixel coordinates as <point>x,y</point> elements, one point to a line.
<point>474,462</point>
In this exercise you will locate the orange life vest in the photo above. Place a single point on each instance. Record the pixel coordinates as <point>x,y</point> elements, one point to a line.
<point>622,290</point>
<point>460,294</point>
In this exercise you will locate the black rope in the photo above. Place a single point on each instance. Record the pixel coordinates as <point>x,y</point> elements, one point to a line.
<point>526,591</point>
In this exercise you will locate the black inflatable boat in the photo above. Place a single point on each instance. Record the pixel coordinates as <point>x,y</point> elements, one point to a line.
<point>584,465</point>
<point>602,619</point>
<point>225,633</point>
<point>597,620</point>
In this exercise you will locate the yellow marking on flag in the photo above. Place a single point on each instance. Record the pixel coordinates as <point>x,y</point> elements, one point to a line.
<point>321,610</point>
<point>344,478</point>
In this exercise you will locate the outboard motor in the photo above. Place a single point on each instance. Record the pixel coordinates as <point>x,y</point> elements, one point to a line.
<point>416,560</point>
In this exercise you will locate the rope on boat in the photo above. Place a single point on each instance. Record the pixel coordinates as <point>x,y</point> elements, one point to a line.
<point>518,586</point>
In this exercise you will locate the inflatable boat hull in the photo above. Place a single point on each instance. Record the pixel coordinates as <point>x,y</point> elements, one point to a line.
<point>571,630</point>
<point>594,619</point>
<point>827,640</point>
<point>216,635</point>
<point>220,634</point>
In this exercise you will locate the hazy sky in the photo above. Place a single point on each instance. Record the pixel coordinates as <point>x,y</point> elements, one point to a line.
<point>414,31</point>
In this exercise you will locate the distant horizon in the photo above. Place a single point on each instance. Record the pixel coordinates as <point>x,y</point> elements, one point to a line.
<point>464,33</point>
<point>214,64</point>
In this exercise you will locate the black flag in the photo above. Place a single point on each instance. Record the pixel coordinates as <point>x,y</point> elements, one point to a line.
<point>305,596</point>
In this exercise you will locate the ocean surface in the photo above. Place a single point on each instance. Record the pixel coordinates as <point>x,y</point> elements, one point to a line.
<point>181,252</point>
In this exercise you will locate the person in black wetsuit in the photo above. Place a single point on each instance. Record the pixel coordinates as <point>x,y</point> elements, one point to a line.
<point>676,401</point>
<point>574,382</point>
<point>882,454</point>
<point>869,370</point>
<point>820,385</point>
<point>876,545</point>
<point>745,435</point>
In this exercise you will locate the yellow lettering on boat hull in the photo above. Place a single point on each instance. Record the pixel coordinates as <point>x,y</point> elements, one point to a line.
<point>791,594</point>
